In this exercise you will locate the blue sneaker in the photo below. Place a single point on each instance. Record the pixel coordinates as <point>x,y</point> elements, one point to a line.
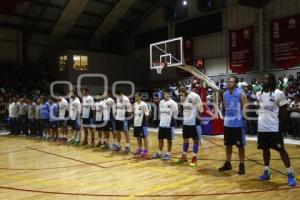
<point>116,148</point>
<point>266,176</point>
<point>156,156</point>
<point>166,157</point>
<point>291,179</point>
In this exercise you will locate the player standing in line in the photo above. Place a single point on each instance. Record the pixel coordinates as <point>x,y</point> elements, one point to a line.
<point>273,113</point>
<point>192,110</point>
<point>53,119</point>
<point>140,123</point>
<point>234,124</point>
<point>99,119</point>
<point>88,109</point>
<point>31,117</point>
<point>109,111</point>
<point>123,110</point>
<point>39,130</point>
<point>168,110</point>
<point>63,106</point>
<point>75,112</point>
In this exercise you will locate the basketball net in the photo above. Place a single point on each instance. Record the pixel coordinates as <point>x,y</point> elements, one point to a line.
<point>159,67</point>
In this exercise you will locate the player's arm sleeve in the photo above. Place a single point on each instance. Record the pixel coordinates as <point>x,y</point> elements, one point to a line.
<point>175,110</point>
<point>281,99</point>
<point>146,110</point>
<point>199,105</point>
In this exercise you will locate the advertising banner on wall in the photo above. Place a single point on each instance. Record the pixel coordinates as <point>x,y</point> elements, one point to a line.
<point>285,41</point>
<point>241,57</point>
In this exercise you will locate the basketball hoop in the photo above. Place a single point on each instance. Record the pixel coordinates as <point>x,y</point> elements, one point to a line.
<point>159,67</point>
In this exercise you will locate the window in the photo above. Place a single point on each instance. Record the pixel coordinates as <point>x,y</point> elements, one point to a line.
<point>80,62</point>
<point>62,63</point>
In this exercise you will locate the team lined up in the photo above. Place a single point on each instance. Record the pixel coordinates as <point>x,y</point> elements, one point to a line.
<point>110,117</point>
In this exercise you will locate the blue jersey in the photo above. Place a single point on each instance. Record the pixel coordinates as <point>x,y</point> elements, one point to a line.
<point>54,112</point>
<point>45,111</point>
<point>234,109</point>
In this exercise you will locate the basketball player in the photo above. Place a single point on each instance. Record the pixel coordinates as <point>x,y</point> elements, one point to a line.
<point>272,112</point>
<point>23,117</point>
<point>99,119</point>
<point>63,121</point>
<point>17,116</point>
<point>53,119</point>
<point>109,111</point>
<point>88,109</point>
<point>31,117</point>
<point>192,109</point>
<point>11,115</point>
<point>123,110</point>
<point>39,129</point>
<point>168,113</point>
<point>44,115</point>
<point>141,116</point>
<point>234,130</point>
<point>75,111</point>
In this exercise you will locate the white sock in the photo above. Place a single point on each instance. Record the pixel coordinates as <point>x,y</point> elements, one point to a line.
<point>267,168</point>
<point>168,153</point>
<point>159,152</point>
<point>185,153</point>
<point>289,170</point>
<point>194,154</point>
<point>127,145</point>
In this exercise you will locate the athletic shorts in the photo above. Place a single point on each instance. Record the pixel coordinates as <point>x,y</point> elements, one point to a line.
<point>99,125</point>
<point>140,131</point>
<point>270,140</point>
<point>63,123</point>
<point>166,133</point>
<point>234,136</point>
<point>121,126</point>
<point>109,125</point>
<point>75,124</point>
<point>54,124</point>
<point>87,122</point>
<point>193,132</point>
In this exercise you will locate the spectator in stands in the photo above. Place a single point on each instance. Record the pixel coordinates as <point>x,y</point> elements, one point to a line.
<point>294,108</point>
<point>222,85</point>
<point>242,83</point>
<point>256,87</point>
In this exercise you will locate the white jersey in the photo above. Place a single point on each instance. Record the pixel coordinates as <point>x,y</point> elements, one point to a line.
<point>11,110</point>
<point>31,111</point>
<point>75,108</point>
<point>99,110</point>
<point>269,103</point>
<point>63,108</point>
<point>23,109</point>
<point>122,106</point>
<point>168,111</point>
<point>140,111</point>
<point>37,111</point>
<point>192,106</point>
<point>87,106</point>
<point>295,105</point>
<point>17,109</point>
<point>109,108</point>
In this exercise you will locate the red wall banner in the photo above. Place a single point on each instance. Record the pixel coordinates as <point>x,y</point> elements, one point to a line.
<point>285,41</point>
<point>241,58</point>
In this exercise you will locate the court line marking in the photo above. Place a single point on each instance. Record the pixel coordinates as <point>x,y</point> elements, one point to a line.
<point>88,163</point>
<point>162,196</point>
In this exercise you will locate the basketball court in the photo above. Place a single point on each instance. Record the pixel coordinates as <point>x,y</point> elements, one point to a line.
<point>33,169</point>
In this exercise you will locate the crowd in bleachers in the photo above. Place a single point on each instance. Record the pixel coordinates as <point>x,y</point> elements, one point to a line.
<point>27,86</point>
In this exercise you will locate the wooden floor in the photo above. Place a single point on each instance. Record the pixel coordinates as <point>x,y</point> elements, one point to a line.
<point>34,169</point>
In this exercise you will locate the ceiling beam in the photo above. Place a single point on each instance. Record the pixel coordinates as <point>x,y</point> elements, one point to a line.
<point>112,18</point>
<point>69,17</point>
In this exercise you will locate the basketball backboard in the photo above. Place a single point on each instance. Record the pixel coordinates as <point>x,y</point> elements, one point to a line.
<point>167,53</point>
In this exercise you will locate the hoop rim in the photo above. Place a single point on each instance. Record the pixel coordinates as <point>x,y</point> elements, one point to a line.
<point>158,66</point>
